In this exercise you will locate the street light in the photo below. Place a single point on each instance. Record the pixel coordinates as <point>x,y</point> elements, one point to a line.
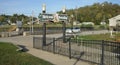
<point>44,8</point>
<point>64,10</point>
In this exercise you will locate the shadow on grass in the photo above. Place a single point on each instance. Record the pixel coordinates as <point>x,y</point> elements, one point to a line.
<point>23,48</point>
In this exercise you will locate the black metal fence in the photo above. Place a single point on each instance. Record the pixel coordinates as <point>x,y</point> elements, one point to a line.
<point>54,45</point>
<point>97,51</point>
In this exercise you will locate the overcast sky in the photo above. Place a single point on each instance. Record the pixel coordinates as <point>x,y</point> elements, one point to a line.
<point>26,7</point>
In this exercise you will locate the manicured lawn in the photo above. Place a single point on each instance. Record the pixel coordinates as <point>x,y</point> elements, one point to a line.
<point>101,37</point>
<point>9,56</point>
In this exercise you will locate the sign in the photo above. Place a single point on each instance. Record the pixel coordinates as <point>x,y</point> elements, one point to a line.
<point>53,17</point>
<point>62,17</point>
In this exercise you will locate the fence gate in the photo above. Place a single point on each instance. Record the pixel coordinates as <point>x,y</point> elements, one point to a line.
<point>60,47</point>
<point>53,45</point>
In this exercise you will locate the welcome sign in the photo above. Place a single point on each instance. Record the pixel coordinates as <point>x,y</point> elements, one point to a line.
<point>53,17</point>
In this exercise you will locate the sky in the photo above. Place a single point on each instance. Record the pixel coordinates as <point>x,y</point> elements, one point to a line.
<point>27,7</point>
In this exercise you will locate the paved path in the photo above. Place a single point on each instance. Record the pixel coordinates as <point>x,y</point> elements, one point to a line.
<point>56,59</point>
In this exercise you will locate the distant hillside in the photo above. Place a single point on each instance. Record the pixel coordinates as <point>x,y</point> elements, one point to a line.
<point>95,13</point>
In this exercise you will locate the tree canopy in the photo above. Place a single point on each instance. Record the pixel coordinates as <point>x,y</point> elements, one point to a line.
<point>15,17</point>
<point>96,13</point>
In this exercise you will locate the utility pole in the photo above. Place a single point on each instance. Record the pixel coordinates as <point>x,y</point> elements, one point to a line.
<point>76,12</point>
<point>103,13</point>
<point>32,20</point>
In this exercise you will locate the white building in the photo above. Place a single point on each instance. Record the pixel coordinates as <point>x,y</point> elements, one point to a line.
<point>114,22</point>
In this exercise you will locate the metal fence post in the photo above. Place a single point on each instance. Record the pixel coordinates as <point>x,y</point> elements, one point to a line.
<point>44,34</point>
<point>102,56</point>
<point>70,48</point>
<point>54,45</point>
<point>33,42</point>
<point>64,33</point>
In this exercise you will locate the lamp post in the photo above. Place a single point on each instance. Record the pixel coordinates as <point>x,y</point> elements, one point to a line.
<point>44,8</point>
<point>64,10</point>
<point>64,26</point>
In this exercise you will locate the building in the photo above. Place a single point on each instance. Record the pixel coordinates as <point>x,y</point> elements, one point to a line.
<point>114,23</point>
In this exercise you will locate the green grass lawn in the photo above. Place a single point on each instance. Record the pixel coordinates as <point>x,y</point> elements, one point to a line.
<point>100,37</point>
<point>9,56</point>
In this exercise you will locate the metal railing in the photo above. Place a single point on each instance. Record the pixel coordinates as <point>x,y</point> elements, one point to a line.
<point>97,51</point>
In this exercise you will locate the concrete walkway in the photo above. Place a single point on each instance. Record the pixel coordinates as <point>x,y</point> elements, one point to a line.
<point>56,59</point>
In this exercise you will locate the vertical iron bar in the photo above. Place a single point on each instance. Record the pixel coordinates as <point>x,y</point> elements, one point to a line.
<point>102,56</point>
<point>54,45</point>
<point>64,33</point>
<point>44,34</point>
<point>69,48</point>
<point>118,52</point>
<point>33,42</point>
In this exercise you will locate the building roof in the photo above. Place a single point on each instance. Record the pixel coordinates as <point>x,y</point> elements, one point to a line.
<point>116,17</point>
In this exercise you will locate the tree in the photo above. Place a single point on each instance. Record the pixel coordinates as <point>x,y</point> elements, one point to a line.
<point>2,19</point>
<point>96,12</point>
<point>13,19</point>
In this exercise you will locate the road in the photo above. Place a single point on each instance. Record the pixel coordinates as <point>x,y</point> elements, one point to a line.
<point>82,33</point>
<point>94,32</point>
<point>60,34</point>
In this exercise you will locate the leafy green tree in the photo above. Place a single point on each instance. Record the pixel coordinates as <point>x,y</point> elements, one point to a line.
<point>96,12</point>
<point>13,19</point>
<point>2,19</point>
